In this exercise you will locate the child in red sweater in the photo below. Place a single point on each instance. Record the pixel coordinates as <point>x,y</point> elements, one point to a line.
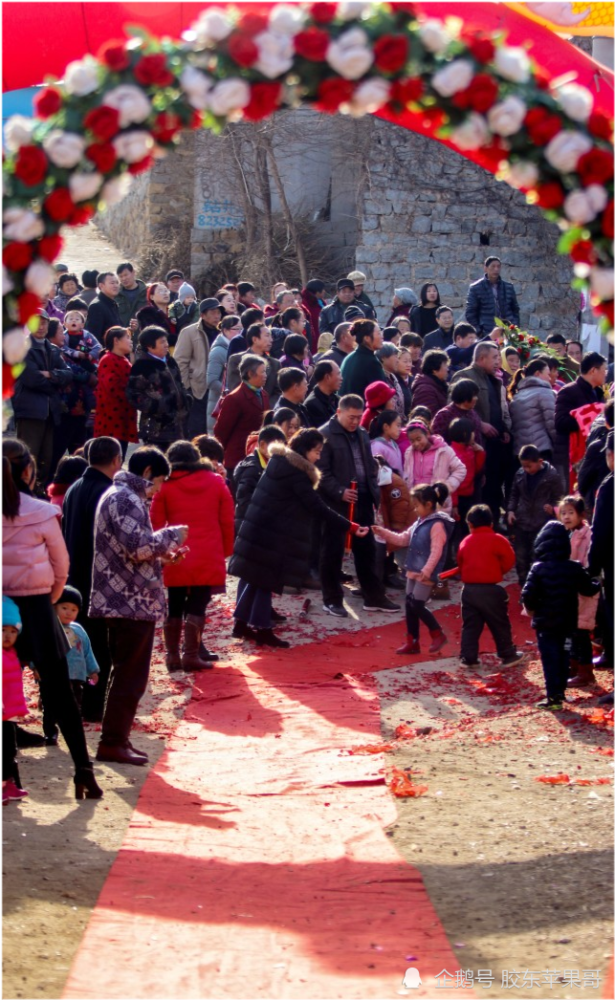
<point>484,558</point>
<point>462,441</point>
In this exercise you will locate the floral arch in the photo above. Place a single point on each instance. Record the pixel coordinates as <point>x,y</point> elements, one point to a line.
<point>113,115</point>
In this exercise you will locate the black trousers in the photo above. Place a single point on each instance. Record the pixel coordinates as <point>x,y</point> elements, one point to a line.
<point>188,601</point>
<point>494,470</point>
<point>49,723</point>
<point>485,604</point>
<point>10,770</point>
<point>131,643</point>
<point>197,418</point>
<point>524,552</point>
<point>363,550</point>
<point>94,695</point>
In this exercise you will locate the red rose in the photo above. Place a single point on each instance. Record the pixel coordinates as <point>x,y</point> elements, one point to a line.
<point>582,252</point>
<point>521,336</point>
<point>114,55</point>
<point>47,102</point>
<point>103,122</point>
<point>59,204</point>
<point>542,126</point>
<point>28,304</point>
<point>542,78</point>
<point>141,166</point>
<point>332,92</point>
<point>167,125</point>
<point>480,46</point>
<point>595,166</point>
<point>102,155</point>
<point>252,23</point>
<point>81,214</point>
<point>49,247</point>
<point>30,165</point>
<point>312,44</point>
<point>606,309</point>
<point>17,256</point>
<point>479,96</point>
<point>264,99</point>
<point>152,71</point>
<point>608,220</point>
<point>406,91</point>
<point>242,50</point>
<point>196,120</point>
<point>8,381</point>
<point>404,8</point>
<point>550,195</point>
<point>391,53</point>
<point>600,126</point>
<point>323,13</point>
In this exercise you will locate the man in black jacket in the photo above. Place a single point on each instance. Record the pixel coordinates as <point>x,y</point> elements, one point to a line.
<point>78,514</point>
<point>345,344</point>
<point>346,458</point>
<point>586,389</point>
<point>323,401</point>
<point>444,336</point>
<point>489,297</point>
<point>594,468</point>
<point>292,383</point>
<point>104,312</point>
<point>333,314</point>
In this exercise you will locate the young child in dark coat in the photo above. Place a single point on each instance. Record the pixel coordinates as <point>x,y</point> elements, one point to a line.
<point>551,593</point>
<point>484,558</point>
<point>536,490</point>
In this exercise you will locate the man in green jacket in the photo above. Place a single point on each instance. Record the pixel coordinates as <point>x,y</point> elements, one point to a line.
<point>132,295</point>
<point>362,367</point>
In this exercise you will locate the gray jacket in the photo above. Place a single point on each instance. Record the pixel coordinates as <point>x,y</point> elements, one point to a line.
<point>532,411</point>
<point>218,355</point>
<point>233,378</point>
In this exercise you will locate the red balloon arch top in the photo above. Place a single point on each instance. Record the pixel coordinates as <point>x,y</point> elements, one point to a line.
<point>472,81</point>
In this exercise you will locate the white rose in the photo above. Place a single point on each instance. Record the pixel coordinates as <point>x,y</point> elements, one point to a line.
<point>7,284</point>
<point>116,189</point>
<point>196,86</point>
<point>18,132</point>
<point>286,19</point>
<point>39,278</point>
<point>601,280</point>
<point>578,208</point>
<point>349,55</point>
<point>456,76</point>
<point>506,117</point>
<point>64,149</point>
<point>15,344</point>
<point>472,134</point>
<point>22,225</point>
<point>512,63</point>
<point>131,102</point>
<point>81,76</point>
<point>228,96</point>
<point>523,174</point>
<point>133,146</point>
<point>576,101</point>
<point>598,198</point>
<point>369,96</point>
<point>82,186</point>
<point>212,26</point>
<point>275,54</point>
<point>565,149</point>
<point>351,10</point>
<point>434,36</point>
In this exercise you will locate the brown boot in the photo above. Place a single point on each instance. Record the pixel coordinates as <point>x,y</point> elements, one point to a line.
<point>411,645</point>
<point>583,675</point>
<point>172,638</point>
<point>439,640</point>
<point>193,629</point>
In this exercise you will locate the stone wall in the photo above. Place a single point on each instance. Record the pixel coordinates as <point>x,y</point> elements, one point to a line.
<point>127,223</point>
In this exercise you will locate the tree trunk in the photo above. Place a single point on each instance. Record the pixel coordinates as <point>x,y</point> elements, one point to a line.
<point>288,216</point>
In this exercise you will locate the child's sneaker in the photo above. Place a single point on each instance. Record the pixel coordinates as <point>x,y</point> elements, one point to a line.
<point>552,704</point>
<point>11,791</point>
<point>511,661</point>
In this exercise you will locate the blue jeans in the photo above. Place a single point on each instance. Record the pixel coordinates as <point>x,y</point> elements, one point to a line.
<point>253,605</point>
<point>554,649</point>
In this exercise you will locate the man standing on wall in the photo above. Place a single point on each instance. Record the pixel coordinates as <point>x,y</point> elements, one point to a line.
<point>489,297</point>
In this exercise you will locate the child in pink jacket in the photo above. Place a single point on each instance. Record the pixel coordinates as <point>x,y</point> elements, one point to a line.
<point>571,513</point>
<point>13,701</point>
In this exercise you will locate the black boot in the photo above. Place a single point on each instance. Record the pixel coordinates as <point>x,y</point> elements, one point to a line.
<point>267,637</point>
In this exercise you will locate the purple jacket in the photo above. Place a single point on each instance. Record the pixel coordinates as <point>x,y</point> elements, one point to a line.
<point>444,418</point>
<point>429,391</point>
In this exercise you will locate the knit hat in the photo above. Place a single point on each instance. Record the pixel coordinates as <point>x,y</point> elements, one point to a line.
<point>70,595</point>
<point>10,613</point>
<point>357,276</point>
<point>378,394</point>
<point>353,312</point>
<point>208,304</point>
<point>173,273</point>
<point>407,296</point>
<point>344,283</point>
<point>186,291</point>
<point>315,285</point>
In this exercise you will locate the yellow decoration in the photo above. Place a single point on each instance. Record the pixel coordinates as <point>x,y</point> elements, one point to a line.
<point>571,18</point>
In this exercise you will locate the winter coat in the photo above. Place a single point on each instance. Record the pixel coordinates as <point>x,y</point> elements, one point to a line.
<point>528,507</point>
<point>571,397</point>
<point>401,310</point>
<point>419,548</point>
<point>298,408</point>
<point>447,469</point>
<point>80,658</point>
<point>580,542</point>
<point>273,547</point>
<point>151,315</point>
<point>129,307</point>
<point>532,411</point>
<point>155,388</point>
<point>443,419</point>
<point>395,504</point>
<point>34,556</point>
<point>245,478</point>
<point>272,366</point>
<point>429,391</point>
<point>201,500</point>
<point>127,573</point>
<point>460,357</point>
<point>334,354</point>
<point>242,411</point>
<point>13,698</point>
<point>36,397</point>
<point>61,301</point>
<point>390,452</point>
<point>183,316</point>
<point>103,313</point>
<point>78,514</point>
<point>320,407</point>
<point>359,370</point>
<point>484,556</point>
<point>602,549</point>
<point>82,346</point>
<point>215,377</point>
<point>366,305</point>
<point>483,406</point>
<point>192,357</point>
<point>337,465</point>
<point>592,470</point>
<point>554,583</point>
<point>114,416</point>
<point>332,315</point>
<point>423,321</point>
<point>312,307</point>
<point>481,309</point>
<point>474,462</point>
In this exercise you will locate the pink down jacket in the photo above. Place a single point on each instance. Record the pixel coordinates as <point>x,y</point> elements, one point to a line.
<point>34,557</point>
<point>580,540</point>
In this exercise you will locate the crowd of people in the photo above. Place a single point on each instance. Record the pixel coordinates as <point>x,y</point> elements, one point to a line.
<point>159,442</point>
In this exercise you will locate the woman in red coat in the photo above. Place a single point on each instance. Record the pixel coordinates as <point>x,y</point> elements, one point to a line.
<point>115,416</point>
<point>200,497</point>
